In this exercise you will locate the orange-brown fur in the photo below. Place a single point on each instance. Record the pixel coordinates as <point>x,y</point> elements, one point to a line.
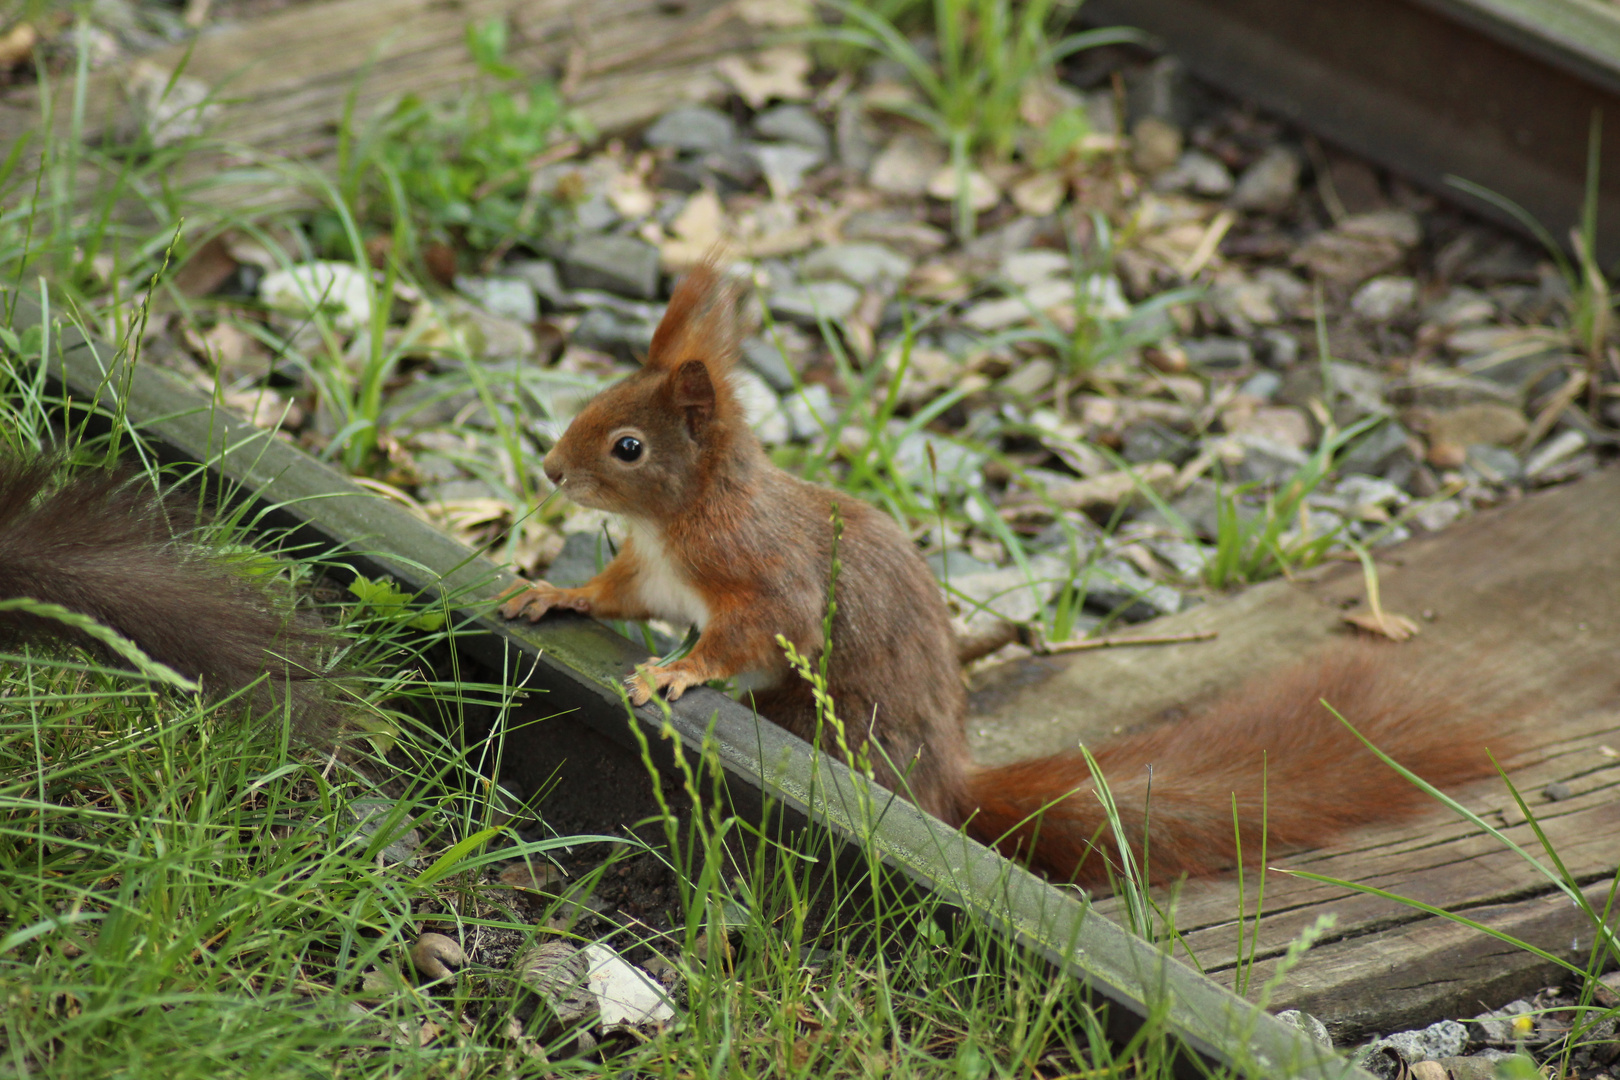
<point>106,545</point>
<point>754,546</point>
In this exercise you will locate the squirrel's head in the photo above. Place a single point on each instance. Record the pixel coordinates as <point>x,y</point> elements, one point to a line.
<point>650,444</point>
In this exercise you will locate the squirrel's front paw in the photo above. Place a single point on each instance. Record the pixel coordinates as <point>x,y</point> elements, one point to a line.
<point>536,598</point>
<point>672,679</point>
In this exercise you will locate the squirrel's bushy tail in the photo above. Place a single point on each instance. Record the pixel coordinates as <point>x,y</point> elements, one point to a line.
<point>102,544</point>
<point>1176,783</point>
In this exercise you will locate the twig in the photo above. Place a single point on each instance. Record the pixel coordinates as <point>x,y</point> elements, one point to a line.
<point>1120,642</point>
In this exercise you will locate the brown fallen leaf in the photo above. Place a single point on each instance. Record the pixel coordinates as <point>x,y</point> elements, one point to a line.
<point>1385,623</point>
<point>781,73</point>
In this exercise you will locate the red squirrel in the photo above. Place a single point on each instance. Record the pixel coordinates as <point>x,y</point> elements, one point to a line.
<point>720,538</point>
<point>107,545</point>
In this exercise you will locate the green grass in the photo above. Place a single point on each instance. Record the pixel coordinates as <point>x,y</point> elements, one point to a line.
<point>988,54</point>
<point>184,890</point>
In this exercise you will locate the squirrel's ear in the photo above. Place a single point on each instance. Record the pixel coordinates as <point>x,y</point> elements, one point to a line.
<point>694,395</point>
<point>701,323</point>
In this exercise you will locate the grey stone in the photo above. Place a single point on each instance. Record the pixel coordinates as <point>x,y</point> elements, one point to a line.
<point>906,165</point>
<point>954,562</point>
<point>1150,440</point>
<point>371,816</point>
<point>1198,509</point>
<point>1433,517</point>
<point>1115,585</point>
<point>1494,464</point>
<point>1269,183</point>
<point>808,409</point>
<point>1266,460</point>
<point>1557,791</point>
<point>1263,385</point>
<point>619,264</point>
<point>1187,557</point>
<point>998,243</point>
<point>1448,388</point>
<point>605,331</point>
<point>1197,172</point>
<point>457,490</point>
<point>950,459</point>
<point>761,409</point>
<point>1467,425</point>
<point>1496,1027</point>
<point>863,264</point>
<point>508,297</point>
<point>1360,246</point>
<point>1382,1061</point>
<point>1445,1039</point>
<point>1357,494</point>
<point>1375,451</point>
<point>762,355</point>
<point>596,213</point>
<point>897,228</point>
<point>1383,299</point>
<point>1029,268</point>
<point>856,135</point>
<point>794,124</point>
<point>831,300</point>
<point>1310,1025</point>
<point>1218,354</point>
<point>1279,348</point>
<point>785,165</point>
<point>544,278</point>
<point>692,129</point>
<point>1008,593</point>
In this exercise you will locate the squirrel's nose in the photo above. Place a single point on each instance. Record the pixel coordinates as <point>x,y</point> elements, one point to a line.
<point>553,470</point>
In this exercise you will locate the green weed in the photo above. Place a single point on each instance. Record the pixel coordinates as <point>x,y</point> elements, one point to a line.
<point>460,173</point>
<point>987,53</point>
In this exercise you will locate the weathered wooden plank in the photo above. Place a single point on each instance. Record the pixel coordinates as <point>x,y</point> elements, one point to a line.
<point>285,81</point>
<point>1528,596</point>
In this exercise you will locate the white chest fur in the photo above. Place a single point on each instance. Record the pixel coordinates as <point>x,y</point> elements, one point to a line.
<point>664,588</point>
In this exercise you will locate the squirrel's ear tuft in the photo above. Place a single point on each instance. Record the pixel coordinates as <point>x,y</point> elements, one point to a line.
<point>702,323</point>
<point>694,395</point>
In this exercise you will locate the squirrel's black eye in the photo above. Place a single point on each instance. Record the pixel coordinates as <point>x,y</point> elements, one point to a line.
<point>627,448</point>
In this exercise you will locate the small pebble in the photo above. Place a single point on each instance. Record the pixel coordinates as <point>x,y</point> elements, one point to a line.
<point>693,129</point>
<point>1269,183</point>
<point>1155,144</point>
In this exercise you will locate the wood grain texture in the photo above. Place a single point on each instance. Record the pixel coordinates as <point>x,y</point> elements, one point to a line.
<point>1524,601</point>
<point>285,81</point>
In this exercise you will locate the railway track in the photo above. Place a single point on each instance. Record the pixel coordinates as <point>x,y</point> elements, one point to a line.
<point>1500,92</point>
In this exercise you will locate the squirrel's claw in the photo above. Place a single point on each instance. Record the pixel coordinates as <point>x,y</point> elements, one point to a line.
<point>673,680</point>
<point>534,599</point>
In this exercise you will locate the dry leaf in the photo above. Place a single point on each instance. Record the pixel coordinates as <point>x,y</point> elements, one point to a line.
<point>629,195</point>
<point>535,877</point>
<point>982,191</point>
<point>781,73</point>
<point>1107,490</point>
<point>1040,194</point>
<point>697,229</point>
<point>17,45</point>
<point>1385,623</point>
